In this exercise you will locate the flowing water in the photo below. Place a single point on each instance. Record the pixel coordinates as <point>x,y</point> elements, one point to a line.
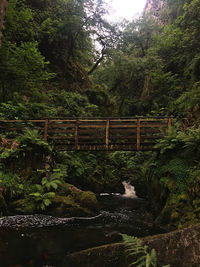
<point>39,240</point>
<point>129,190</point>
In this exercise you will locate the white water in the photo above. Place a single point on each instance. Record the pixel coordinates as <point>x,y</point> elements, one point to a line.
<point>129,190</point>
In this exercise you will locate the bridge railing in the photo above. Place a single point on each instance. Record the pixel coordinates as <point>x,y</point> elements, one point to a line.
<point>88,134</point>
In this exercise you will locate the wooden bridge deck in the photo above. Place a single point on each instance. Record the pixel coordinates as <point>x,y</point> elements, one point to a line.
<point>96,134</point>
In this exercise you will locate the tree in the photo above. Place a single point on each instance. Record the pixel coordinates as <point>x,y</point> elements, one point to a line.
<point>3,9</point>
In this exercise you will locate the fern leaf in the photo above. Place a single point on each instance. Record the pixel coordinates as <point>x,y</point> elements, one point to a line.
<point>44,181</point>
<point>47,202</point>
<point>48,186</point>
<point>148,260</point>
<point>54,185</point>
<point>136,252</point>
<point>153,257</point>
<point>141,259</point>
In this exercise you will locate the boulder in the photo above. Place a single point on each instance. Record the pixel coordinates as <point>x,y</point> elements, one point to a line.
<point>179,248</point>
<point>70,202</point>
<point>73,202</point>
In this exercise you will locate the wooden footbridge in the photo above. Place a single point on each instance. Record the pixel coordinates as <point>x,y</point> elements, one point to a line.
<point>95,134</point>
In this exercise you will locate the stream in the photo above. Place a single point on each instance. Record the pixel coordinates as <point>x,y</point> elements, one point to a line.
<point>43,241</point>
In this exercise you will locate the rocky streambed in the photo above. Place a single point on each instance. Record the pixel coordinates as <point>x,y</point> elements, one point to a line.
<point>40,240</point>
<point>48,241</point>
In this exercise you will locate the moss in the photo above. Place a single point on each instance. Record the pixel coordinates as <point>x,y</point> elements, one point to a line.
<point>170,184</point>
<point>87,199</point>
<point>23,206</point>
<point>66,201</point>
<point>174,216</point>
<point>179,211</point>
<point>69,189</point>
<point>67,206</point>
<point>182,197</point>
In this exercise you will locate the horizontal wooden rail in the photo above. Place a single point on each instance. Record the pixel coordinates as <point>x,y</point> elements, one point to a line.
<point>108,134</point>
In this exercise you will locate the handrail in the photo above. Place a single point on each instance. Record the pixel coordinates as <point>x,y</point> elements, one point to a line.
<point>100,133</point>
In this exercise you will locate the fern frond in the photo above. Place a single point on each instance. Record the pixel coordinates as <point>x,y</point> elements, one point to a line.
<point>134,247</point>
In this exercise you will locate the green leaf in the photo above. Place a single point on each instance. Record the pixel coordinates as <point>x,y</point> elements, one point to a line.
<point>47,202</point>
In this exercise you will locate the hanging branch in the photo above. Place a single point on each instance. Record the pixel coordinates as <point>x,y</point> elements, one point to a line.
<point>103,52</point>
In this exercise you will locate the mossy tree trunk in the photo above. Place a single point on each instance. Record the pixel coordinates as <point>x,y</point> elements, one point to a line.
<point>3,9</point>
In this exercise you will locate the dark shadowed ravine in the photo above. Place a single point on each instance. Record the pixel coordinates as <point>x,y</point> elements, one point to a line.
<point>39,240</point>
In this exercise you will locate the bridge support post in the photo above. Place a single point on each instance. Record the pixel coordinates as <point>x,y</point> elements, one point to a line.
<point>76,135</point>
<point>46,124</point>
<point>169,125</point>
<point>138,134</point>
<point>107,133</point>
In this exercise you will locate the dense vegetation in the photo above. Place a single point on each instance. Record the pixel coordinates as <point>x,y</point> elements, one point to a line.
<point>62,58</point>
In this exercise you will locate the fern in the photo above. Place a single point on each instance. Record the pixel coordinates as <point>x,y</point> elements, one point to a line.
<point>51,182</point>
<point>42,200</point>
<point>134,247</point>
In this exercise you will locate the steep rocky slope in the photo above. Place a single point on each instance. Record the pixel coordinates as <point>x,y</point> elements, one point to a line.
<point>153,7</point>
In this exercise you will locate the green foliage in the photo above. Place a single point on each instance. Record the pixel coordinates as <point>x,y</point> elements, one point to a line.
<point>23,69</point>
<point>52,181</point>
<point>189,99</point>
<point>135,249</point>
<point>169,142</point>
<point>72,104</point>
<point>179,170</point>
<point>11,184</point>
<point>32,139</point>
<point>42,200</point>
<point>49,67</point>
<point>187,141</point>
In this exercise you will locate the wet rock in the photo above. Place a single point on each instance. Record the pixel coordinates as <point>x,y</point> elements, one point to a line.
<point>73,202</point>
<point>88,199</point>
<point>70,189</point>
<point>104,256</point>
<point>65,206</point>
<point>39,220</point>
<point>179,248</point>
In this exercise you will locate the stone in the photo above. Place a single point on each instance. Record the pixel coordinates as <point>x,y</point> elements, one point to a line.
<point>180,248</point>
<point>154,7</point>
<point>73,202</point>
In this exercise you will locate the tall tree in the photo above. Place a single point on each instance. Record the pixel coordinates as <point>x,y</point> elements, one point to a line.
<point>3,9</point>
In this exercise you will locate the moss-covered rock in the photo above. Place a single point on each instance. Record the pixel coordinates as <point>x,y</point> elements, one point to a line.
<point>87,199</point>
<point>73,202</point>
<point>65,206</point>
<point>179,211</point>
<point>179,248</point>
<point>23,206</point>
<point>69,189</point>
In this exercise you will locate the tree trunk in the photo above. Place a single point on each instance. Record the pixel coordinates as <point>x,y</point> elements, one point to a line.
<point>3,9</point>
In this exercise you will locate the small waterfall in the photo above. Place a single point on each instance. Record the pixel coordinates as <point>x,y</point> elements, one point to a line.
<point>129,190</point>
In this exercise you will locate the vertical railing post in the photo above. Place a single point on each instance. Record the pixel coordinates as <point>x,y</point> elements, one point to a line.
<point>76,135</point>
<point>107,133</point>
<point>169,125</point>
<point>138,134</point>
<point>46,124</point>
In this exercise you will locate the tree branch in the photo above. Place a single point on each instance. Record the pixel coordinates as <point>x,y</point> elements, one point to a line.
<point>103,52</point>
